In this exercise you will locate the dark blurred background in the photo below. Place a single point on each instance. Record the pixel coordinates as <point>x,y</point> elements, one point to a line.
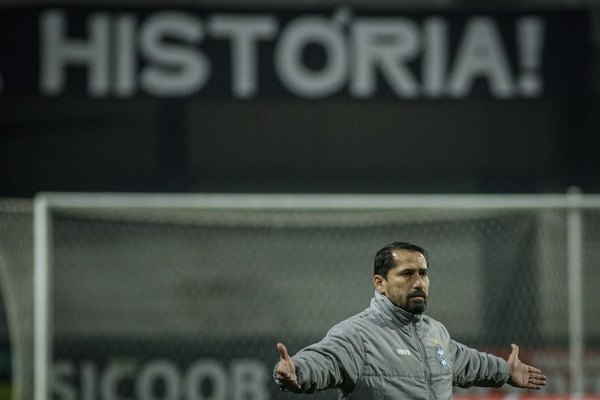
<point>302,96</point>
<point>248,96</point>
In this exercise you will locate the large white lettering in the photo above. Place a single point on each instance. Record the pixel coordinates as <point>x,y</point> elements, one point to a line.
<point>203,371</point>
<point>243,32</point>
<point>435,57</point>
<point>205,379</point>
<point>88,381</point>
<point>59,51</point>
<point>291,68</point>
<point>252,379</point>
<point>62,385</point>
<point>124,82</point>
<point>530,45</point>
<point>385,44</point>
<point>481,55</point>
<point>176,69</point>
<point>110,380</point>
<point>175,53</point>
<point>158,371</point>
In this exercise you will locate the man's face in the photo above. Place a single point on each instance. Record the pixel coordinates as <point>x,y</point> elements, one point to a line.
<point>406,284</point>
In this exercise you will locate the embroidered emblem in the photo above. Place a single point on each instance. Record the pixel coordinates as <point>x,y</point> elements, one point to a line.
<point>440,354</point>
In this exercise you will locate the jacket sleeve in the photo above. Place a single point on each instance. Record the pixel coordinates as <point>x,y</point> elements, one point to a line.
<point>475,368</point>
<point>335,361</point>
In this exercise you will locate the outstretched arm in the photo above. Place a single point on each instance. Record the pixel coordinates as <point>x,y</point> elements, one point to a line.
<point>334,362</point>
<point>285,371</point>
<point>523,375</point>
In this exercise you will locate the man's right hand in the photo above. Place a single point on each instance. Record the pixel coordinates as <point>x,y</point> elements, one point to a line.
<point>285,371</point>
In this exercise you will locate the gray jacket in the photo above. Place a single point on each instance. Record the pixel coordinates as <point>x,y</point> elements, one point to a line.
<point>385,352</point>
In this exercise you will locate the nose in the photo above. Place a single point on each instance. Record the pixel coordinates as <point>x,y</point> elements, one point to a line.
<point>418,281</point>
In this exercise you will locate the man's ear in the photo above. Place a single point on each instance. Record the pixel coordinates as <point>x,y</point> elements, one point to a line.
<point>379,283</point>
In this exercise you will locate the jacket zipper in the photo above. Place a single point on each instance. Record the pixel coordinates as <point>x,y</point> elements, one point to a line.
<point>424,355</point>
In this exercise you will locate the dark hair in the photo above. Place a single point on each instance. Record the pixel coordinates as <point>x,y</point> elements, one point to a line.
<point>384,259</point>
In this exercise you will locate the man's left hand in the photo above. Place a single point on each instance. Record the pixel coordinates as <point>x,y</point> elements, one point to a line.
<point>523,375</point>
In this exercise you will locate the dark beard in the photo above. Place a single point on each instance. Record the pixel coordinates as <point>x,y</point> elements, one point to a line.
<point>416,307</point>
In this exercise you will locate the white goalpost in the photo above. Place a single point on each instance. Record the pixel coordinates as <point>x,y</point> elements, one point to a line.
<point>177,244</point>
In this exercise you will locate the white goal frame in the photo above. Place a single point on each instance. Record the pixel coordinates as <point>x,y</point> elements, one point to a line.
<point>45,203</point>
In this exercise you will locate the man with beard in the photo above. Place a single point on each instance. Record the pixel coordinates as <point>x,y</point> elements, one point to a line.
<point>392,351</point>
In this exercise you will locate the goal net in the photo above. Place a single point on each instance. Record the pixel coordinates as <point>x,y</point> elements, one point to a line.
<point>16,284</point>
<point>185,297</point>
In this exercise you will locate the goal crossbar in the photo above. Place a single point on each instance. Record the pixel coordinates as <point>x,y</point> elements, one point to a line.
<point>45,203</point>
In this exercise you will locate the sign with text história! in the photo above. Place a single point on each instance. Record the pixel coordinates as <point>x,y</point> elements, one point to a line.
<point>245,54</point>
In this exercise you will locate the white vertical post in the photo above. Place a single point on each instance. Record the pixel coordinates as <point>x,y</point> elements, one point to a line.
<point>575,293</point>
<point>41,302</point>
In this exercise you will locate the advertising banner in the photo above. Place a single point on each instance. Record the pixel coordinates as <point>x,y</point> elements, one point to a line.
<point>340,52</point>
<point>242,369</point>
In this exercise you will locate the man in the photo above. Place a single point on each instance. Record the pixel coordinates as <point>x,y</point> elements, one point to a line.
<point>392,351</point>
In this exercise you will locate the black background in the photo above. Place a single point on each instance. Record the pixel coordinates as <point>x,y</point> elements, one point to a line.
<point>276,142</point>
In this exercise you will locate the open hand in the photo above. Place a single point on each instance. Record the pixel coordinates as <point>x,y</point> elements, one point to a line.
<point>523,375</point>
<point>285,371</point>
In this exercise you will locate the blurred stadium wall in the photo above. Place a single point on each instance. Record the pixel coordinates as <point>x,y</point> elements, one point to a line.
<point>175,297</point>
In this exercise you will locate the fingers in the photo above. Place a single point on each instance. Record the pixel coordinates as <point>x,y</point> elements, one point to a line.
<point>535,370</point>
<point>536,378</point>
<point>536,383</point>
<point>283,354</point>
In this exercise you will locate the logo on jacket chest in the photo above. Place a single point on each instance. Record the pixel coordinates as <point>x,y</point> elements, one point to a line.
<point>403,352</point>
<point>440,355</point>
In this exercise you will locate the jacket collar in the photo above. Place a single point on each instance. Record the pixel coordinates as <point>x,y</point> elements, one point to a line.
<point>395,314</point>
